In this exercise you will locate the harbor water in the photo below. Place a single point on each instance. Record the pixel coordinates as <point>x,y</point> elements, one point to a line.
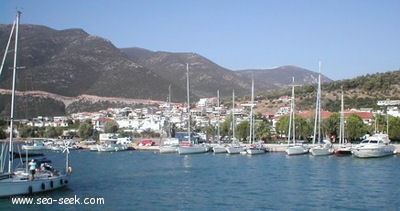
<point>144,180</point>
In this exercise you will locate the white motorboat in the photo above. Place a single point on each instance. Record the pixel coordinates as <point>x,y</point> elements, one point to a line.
<point>377,145</point>
<point>20,181</point>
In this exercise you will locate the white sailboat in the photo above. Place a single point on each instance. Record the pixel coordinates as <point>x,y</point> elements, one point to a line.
<point>20,181</point>
<point>170,145</point>
<point>218,148</point>
<point>293,149</point>
<point>234,147</point>
<point>189,147</point>
<point>344,148</point>
<point>254,148</point>
<point>327,147</point>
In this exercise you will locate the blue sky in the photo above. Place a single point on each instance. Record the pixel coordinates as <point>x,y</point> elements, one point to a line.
<point>350,37</point>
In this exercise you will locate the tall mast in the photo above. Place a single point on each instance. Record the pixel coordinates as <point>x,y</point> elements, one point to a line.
<point>341,128</point>
<point>291,130</point>
<point>233,114</point>
<point>317,120</point>
<point>251,111</point>
<point>188,101</point>
<point>10,148</point>
<point>219,113</point>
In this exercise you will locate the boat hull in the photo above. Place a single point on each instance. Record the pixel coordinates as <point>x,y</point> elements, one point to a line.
<point>373,152</point>
<point>234,150</point>
<point>321,151</point>
<point>342,151</point>
<point>255,151</point>
<point>19,186</point>
<point>219,149</point>
<point>168,149</point>
<point>296,150</point>
<point>184,150</point>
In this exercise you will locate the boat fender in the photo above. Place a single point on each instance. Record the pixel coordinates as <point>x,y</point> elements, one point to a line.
<point>69,170</point>
<point>61,182</point>
<point>51,184</point>
<point>30,189</point>
<point>66,181</point>
<point>43,186</point>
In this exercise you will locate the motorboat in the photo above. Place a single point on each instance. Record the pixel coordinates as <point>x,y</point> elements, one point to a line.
<point>377,145</point>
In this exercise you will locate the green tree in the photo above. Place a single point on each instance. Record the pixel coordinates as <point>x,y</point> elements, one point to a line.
<point>262,130</point>
<point>85,130</point>
<point>394,128</point>
<point>282,126</point>
<point>355,127</point>
<point>331,125</point>
<point>226,127</point>
<point>52,132</point>
<point>243,130</point>
<point>303,127</point>
<point>26,131</point>
<point>111,127</point>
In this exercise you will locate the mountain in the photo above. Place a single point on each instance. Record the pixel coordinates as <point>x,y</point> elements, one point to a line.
<point>72,62</point>
<point>206,77</point>
<point>282,76</point>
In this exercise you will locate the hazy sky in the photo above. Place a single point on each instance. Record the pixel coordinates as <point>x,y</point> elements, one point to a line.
<point>350,37</point>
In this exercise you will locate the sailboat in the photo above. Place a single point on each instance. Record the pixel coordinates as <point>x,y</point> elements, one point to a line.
<point>218,148</point>
<point>234,147</point>
<point>254,148</point>
<point>189,147</point>
<point>20,181</point>
<point>170,145</point>
<point>293,149</point>
<point>327,147</point>
<point>343,148</point>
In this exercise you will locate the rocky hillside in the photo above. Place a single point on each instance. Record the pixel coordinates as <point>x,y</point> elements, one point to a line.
<point>71,63</point>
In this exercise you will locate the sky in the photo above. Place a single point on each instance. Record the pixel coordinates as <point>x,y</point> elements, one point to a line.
<point>350,37</point>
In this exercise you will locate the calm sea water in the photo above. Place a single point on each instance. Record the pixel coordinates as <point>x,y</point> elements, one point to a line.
<point>135,180</point>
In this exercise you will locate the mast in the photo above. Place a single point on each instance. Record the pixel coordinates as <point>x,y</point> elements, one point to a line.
<point>188,101</point>
<point>317,120</point>
<point>251,112</point>
<point>10,147</point>
<point>219,113</point>
<point>291,117</point>
<point>169,112</point>
<point>233,115</point>
<point>341,128</point>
